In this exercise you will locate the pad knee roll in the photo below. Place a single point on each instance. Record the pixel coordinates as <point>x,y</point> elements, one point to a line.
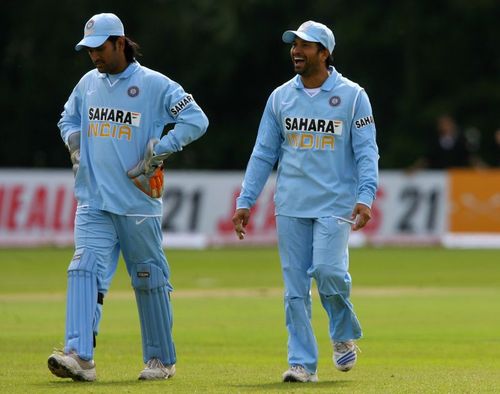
<point>152,294</point>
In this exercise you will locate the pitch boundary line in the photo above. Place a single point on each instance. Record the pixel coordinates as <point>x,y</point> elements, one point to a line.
<point>267,293</point>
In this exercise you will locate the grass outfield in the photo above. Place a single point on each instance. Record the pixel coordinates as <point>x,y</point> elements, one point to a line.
<point>431,320</point>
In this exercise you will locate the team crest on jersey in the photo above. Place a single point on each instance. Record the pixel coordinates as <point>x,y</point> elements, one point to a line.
<point>133,91</point>
<point>115,115</point>
<point>362,122</point>
<point>334,101</point>
<point>177,108</point>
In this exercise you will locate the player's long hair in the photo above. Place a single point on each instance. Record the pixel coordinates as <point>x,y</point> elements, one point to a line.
<point>329,59</point>
<point>132,49</point>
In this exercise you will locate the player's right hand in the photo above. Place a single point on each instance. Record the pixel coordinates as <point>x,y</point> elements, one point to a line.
<point>240,221</point>
<point>74,150</point>
<point>75,160</point>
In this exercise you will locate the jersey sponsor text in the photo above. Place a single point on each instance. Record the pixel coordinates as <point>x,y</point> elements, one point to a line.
<point>179,107</point>
<point>359,123</point>
<point>310,124</point>
<point>115,115</point>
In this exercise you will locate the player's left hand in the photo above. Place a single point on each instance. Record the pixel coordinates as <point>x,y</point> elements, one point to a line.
<point>150,185</point>
<point>361,214</point>
<point>147,175</point>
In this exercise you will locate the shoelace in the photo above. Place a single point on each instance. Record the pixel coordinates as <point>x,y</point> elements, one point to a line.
<point>342,347</point>
<point>297,368</point>
<point>155,363</point>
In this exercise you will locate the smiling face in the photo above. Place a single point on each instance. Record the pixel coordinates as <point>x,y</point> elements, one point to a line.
<point>307,57</point>
<point>109,57</point>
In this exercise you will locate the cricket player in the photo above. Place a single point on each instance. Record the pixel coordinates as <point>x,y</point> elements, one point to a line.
<point>320,129</point>
<point>112,124</point>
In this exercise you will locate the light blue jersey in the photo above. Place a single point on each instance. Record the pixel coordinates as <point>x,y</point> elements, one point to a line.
<point>326,149</point>
<point>117,117</point>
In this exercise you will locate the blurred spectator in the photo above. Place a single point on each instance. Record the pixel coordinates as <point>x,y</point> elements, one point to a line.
<point>473,140</point>
<point>449,149</point>
<point>495,148</point>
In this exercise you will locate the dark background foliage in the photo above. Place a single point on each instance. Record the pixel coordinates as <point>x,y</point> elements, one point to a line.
<point>415,59</point>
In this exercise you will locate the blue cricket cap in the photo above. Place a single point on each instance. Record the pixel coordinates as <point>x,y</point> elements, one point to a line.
<point>98,29</point>
<point>313,32</point>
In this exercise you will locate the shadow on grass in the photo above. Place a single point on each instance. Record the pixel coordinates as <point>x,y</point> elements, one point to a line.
<point>118,384</point>
<point>62,382</point>
<point>262,387</point>
<point>292,386</point>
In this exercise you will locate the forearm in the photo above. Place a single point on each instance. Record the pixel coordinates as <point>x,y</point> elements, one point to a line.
<point>367,178</point>
<point>263,158</point>
<point>256,176</point>
<point>70,121</point>
<point>183,134</point>
<point>365,149</point>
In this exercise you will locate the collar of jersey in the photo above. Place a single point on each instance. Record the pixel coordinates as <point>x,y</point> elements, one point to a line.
<point>327,85</point>
<point>132,68</point>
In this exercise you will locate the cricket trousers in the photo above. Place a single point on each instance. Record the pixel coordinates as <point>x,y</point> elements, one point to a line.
<point>100,236</point>
<point>315,248</point>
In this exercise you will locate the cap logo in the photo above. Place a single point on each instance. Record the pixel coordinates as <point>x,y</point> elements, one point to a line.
<point>90,24</point>
<point>334,101</point>
<point>133,91</point>
<point>89,27</point>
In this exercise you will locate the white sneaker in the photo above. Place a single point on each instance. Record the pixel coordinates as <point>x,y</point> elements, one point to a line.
<point>297,373</point>
<point>70,365</point>
<point>344,355</point>
<point>155,370</point>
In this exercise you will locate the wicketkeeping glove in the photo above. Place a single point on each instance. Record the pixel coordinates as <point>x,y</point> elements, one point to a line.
<point>74,150</point>
<point>147,175</point>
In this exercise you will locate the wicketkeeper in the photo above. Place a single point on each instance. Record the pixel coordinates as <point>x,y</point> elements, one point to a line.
<point>112,124</point>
